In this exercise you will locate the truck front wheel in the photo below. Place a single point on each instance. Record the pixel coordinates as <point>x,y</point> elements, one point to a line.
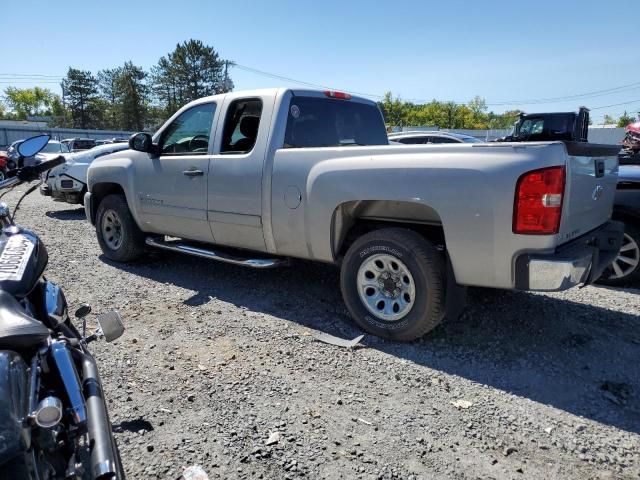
<point>118,234</point>
<point>393,282</point>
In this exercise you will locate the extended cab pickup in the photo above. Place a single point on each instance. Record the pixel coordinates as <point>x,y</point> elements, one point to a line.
<point>258,177</point>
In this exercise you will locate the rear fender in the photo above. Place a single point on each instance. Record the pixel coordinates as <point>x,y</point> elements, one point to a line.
<point>14,405</point>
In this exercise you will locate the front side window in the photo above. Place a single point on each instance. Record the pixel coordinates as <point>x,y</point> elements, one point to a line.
<point>327,122</point>
<point>241,126</point>
<point>189,133</point>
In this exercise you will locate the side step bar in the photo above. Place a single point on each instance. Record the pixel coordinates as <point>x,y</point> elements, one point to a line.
<point>184,247</point>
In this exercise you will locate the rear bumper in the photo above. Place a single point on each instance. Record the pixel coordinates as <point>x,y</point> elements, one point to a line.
<point>580,261</point>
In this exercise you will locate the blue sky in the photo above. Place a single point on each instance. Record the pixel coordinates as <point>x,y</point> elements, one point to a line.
<point>504,51</point>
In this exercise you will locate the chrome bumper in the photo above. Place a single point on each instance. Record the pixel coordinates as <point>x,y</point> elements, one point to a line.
<point>581,261</point>
<point>88,210</point>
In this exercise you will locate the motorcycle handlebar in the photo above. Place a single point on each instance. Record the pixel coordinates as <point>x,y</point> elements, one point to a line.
<point>30,173</point>
<point>44,166</point>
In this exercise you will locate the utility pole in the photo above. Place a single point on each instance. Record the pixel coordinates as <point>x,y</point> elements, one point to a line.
<point>226,86</point>
<point>64,106</point>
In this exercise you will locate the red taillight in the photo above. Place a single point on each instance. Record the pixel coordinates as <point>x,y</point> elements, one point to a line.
<point>538,202</point>
<point>339,95</point>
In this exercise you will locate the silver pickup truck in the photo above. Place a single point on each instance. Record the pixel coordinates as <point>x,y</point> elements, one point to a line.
<point>258,177</point>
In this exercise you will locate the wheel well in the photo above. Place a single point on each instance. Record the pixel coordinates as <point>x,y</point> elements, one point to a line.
<point>354,219</point>
<point>101,190</point>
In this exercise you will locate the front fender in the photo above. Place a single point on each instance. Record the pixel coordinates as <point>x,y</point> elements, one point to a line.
<point>114,174</point>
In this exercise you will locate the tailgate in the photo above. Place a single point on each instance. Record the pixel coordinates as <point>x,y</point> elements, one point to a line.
<point>592,174</point>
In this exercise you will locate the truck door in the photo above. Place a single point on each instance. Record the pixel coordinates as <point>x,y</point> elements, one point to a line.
<point>172,187</point>
<point>235,180</point>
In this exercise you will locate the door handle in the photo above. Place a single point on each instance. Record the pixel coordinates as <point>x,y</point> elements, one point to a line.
<point>193,173</point>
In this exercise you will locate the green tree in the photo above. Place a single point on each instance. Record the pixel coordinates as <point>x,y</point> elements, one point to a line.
<point>28,101</point>
<point>394,110</point>
<point>80,89</point>
<point>625,119</point>
<point>60,116</point>
<point>609,120</point>
<point>191,71</point>
<point>108,88</point>
<point>133,95</point>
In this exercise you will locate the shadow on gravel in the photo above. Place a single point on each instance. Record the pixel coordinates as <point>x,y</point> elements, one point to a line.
<point>133,426</point>
<point>74,214</point>
<point>572,356</point>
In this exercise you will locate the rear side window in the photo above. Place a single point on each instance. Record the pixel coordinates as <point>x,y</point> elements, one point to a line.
<point>443,140</point>
<point>413,140</point>
<point>84,144</point>
<point>241,126</point>
<point>325,122</point>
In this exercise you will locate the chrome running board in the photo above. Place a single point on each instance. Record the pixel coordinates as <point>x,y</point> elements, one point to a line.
<point>198,251</point>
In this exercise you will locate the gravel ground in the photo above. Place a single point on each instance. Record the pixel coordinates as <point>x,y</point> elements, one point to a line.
<point>219,368</point>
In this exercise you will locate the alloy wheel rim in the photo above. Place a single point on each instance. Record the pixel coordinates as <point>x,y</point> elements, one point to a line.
<point>386,287</point>
<point>627,260</point>
<point>112,231</point>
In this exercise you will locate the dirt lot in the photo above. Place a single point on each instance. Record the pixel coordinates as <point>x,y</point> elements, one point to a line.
<point>219,368</point>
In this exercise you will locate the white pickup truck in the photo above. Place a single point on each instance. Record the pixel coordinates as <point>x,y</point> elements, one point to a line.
<point>258,177</point>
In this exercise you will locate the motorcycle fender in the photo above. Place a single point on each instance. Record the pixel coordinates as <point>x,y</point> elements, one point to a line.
<point>14,405</point>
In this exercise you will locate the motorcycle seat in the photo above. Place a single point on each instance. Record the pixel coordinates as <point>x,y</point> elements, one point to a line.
<point>17,329</point>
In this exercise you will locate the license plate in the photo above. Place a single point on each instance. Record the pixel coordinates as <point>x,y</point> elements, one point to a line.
<point>15,257</point>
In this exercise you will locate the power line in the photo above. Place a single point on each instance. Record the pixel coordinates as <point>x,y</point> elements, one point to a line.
<point>29,75</point>
<point>583,96</point>
<point>615,105</point>
<point>301,82</point>
<point>22,78</point>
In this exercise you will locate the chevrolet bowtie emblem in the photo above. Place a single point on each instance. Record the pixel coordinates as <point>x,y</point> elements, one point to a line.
<point>597,193</point>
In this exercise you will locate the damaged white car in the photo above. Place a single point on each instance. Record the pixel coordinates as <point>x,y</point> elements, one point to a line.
<point>68,182</point>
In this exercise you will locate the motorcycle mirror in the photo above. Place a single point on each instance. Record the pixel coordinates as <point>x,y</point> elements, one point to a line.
<point>83,311</point>
<point>33,145</point>
<point>111,325</point>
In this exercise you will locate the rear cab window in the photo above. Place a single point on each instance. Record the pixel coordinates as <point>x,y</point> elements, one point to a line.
<point>327,122</point>
<point>241,126</point>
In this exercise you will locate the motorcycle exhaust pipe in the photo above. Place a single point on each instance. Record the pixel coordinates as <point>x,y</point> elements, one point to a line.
<point>103,458</point>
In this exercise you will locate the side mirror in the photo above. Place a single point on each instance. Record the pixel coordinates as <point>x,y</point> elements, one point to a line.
<point>111,325</point>
<point>83,311</point>
<point>141,142</point>
<point>33,145</point>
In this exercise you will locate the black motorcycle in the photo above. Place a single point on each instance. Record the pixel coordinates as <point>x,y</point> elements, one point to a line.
<point>53,416</point>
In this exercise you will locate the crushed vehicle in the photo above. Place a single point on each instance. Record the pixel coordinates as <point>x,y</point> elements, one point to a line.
<point>255,178</point>
<point>68,182</point>
<point>630,153</point>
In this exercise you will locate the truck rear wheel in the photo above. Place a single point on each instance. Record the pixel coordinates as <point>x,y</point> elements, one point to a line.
<point>393,283</point>
<point>118,234</point>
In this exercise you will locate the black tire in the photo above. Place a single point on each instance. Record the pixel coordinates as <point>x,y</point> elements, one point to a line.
<point>131,245</point>
<point>425,264</point>
<point>609,277</point>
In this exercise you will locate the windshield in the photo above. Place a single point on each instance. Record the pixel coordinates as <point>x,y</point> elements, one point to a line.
<point>55,147</point>
<point>324,122</point>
